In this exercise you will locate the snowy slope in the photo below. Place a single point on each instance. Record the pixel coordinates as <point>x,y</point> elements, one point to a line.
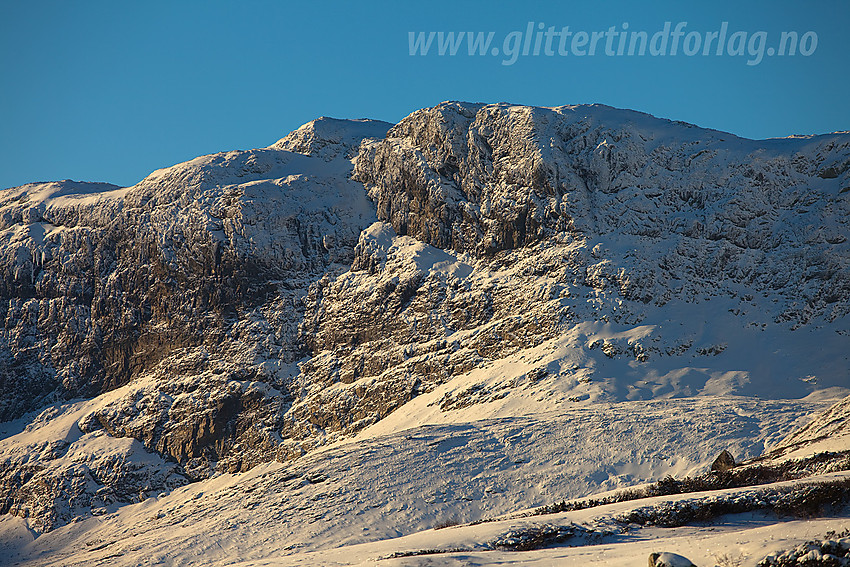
<point>829,431</point>
<point>348,504</point>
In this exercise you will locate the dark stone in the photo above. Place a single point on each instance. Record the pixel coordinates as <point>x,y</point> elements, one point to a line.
<point>723,462</point>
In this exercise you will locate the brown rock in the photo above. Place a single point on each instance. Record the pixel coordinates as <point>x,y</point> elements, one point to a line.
<point>723,462</point>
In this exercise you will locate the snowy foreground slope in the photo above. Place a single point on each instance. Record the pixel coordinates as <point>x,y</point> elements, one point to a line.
<point>300,353</point>
<point>375,499</point>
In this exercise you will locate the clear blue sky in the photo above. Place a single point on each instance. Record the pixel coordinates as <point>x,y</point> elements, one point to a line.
<point>109,91</point>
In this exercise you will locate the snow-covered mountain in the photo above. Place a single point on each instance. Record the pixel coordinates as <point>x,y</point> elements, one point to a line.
<point>368,329</point>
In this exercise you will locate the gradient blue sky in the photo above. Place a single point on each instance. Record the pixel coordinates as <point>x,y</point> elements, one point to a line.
<point>109,91</point>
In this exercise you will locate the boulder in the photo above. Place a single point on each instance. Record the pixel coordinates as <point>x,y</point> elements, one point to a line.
<point>666,559</point>
<point>723,462</point>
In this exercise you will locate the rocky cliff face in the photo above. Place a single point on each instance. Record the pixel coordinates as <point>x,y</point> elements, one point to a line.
<point>188,286</point>
<point>250,305</point>
<point>483,179</point>
<point>519,223</point>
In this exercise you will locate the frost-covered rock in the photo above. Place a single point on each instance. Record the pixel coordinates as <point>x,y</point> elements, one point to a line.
<point>503,226</point>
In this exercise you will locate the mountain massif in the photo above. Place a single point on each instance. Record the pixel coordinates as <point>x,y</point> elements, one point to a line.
<point>556,300</point>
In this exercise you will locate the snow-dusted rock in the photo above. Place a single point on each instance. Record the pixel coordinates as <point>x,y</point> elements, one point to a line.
<point>330,138</point>
<point>506,226</point>
<point>187,286</point>
<point>251,305</point>
<point>693,208</point>
<point>667,559</point>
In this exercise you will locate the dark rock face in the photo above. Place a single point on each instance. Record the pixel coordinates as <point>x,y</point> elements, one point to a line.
<point>48,296</point>
<point>464,177</point>
<point>111,291</point>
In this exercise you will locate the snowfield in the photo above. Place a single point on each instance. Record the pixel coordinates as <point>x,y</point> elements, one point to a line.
<point>379,496</point>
